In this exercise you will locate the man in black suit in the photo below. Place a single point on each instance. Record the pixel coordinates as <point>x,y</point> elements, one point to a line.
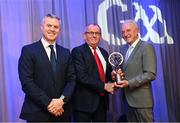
<point>47,76</point>
<point>91,97</point>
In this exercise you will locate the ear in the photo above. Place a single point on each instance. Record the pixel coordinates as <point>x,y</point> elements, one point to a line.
<point>60,30</point>
<point>41,27</point>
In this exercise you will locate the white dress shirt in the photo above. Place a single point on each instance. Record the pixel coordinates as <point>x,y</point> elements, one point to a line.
<point>130,49</point>
<point>100,57</point>
<point>47,48</point>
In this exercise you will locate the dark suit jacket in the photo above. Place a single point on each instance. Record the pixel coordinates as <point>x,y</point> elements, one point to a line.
<point>89,85</point>
<point>140,70</point>
<point>38,82</point>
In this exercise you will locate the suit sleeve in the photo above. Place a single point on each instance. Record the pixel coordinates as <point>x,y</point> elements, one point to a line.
<point>84,77</point>
<point>149,68</point>
<point>70,79</point>
<point>26,75</point>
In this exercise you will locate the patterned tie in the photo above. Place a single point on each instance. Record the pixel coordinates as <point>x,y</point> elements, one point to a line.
<point>53,59</point>
<point>99,65</point>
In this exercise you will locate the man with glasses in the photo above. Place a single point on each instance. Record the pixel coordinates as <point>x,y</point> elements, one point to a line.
<point>93,78</point>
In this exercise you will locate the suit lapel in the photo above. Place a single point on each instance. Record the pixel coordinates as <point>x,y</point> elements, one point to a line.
<point>45,59</point>
<point>133,53</point>
<point>89,55</point>
<point>123,50</point>
<point>60,56</point>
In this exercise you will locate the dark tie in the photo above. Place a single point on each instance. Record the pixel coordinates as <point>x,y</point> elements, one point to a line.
<point>53,59</point>
<point>99,65</point>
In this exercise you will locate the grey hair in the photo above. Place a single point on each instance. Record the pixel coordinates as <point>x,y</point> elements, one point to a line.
<point>132,22</point>
<point>94,24</point>
<point>51,16</point>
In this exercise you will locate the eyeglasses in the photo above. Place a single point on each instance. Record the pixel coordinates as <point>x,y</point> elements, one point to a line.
<point>93,33</point>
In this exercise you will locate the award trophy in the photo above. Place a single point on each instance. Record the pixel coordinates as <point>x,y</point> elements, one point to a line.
<point>116,59</point>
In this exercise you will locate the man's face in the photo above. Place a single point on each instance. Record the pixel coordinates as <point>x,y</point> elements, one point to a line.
<point>129,32</point>
<point>50,29</point>
<point>93,35</point>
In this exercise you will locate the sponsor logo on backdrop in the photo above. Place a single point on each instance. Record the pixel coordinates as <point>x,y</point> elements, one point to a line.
<point>141,14</point>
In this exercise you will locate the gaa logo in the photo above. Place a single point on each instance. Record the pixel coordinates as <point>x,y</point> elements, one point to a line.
<point>140,15</point>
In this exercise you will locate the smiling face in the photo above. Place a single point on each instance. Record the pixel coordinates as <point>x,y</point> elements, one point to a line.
<point>130,32</point>
<point>92,36</point>
<point>50,28</point>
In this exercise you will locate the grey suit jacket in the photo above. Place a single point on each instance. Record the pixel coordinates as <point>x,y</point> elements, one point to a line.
<point>140,70</point>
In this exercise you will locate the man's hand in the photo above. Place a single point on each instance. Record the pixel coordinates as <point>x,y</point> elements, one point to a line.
<point>113,75</point>
<point>56,107</point>
<point>122,84</point>
<point>109,87</point>
<point>119,72</point>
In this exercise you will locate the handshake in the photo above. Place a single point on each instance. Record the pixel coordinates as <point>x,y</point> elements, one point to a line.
<point>110,87</point>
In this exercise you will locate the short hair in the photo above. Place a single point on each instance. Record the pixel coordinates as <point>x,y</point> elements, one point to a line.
<point>51,16</point>
<point>94,24</point>
<point>132,22</point>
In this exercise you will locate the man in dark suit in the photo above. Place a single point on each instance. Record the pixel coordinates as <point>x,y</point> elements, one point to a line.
<point>90,98</point>
<point>47,76</point>
<point>139,68</point>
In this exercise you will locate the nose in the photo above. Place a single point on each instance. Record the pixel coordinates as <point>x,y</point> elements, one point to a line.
<point>52,28</point>
<point>94,34</point>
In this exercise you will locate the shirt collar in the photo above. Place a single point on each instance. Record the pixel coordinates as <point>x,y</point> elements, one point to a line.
<point>93,48</point>
<point>134,43</point>
<point>46,44</point>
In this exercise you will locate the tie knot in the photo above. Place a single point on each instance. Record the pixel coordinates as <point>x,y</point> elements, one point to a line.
<point>51,46</point>
<point>94,48</point>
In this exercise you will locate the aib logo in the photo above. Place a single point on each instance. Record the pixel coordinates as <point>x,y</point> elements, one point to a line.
<point>140,15</point>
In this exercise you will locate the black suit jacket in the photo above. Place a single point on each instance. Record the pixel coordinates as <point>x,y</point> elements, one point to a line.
<point>86,96</point>
<point>38,82</point>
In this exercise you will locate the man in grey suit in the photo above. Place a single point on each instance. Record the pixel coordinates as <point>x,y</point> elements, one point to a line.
<point>139,68</point>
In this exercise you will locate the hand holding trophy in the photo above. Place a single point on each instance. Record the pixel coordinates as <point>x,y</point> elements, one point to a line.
<point>116,59</point>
